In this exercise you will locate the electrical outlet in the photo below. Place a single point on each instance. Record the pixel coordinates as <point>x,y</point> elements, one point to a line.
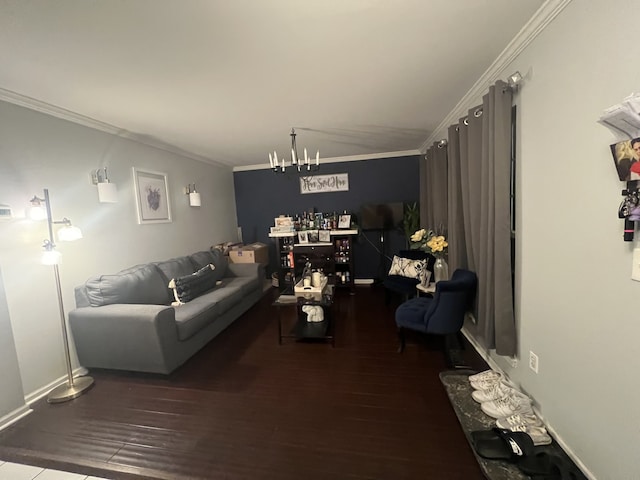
<point>533,361</point>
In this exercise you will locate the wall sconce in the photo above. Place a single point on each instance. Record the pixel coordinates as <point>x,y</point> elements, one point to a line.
<point>107,191</point>
<point>74,387</point>
<point>194,196</point>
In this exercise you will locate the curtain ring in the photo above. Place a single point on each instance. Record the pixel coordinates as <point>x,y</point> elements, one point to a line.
<point>478,113</point>
<point>443,143</point>
<point>466,120</point>
<point>457,128</point>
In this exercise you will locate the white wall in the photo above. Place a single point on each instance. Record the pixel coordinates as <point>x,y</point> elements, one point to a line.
<point>576,302</point>
<point>11,399</point>
<point>39,151</point>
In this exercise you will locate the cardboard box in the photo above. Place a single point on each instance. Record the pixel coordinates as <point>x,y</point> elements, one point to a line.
<point>253,253</point>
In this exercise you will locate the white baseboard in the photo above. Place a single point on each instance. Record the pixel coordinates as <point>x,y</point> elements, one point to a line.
<point>13,417</point>
<point>42,392</point>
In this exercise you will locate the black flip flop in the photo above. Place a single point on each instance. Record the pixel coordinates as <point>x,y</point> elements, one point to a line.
<point>502,444</point>
<point>544,466</point>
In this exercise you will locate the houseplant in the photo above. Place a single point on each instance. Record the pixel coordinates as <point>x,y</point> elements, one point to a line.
<point>410,219</point>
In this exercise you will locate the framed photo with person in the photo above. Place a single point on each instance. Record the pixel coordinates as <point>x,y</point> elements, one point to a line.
<point>626,158</point>
<point>303,237</point>
<point>344,221</point>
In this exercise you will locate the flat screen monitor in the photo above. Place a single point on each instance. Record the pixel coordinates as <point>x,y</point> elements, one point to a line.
<point>381,216</point>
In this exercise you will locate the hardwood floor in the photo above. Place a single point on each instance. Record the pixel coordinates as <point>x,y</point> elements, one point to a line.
<point>247,408</point>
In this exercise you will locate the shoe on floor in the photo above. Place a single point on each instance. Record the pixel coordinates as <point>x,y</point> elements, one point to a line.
<point>487,383</point>
<point>513,403</point>
<point>499,390</point>
<point>539,435</point>
<point>486,376</point>
<point>519,419</point>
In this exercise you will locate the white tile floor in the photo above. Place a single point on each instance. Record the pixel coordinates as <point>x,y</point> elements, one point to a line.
<point>15,471</point>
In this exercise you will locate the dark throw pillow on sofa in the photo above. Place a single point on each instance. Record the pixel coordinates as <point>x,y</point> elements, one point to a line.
<point>188,287</point>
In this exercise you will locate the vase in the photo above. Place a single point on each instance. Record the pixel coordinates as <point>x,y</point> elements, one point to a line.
<point>440,269</point>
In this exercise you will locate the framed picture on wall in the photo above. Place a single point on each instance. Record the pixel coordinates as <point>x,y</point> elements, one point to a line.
<point>626,158</point>
<point>152,196</point>
<point>303,237</point>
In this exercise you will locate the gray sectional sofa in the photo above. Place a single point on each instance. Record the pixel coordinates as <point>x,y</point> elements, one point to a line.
<point>126,321</point>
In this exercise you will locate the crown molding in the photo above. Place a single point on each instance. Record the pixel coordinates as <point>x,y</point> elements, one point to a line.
<point>64,114</point>
<point>536,24</point>
<point>352,158</point>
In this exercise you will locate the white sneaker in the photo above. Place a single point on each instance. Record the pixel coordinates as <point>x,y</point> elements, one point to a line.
<point>486,375</point>
<point>530,419</point>
<point>514,402</point>
<point>486,383</point>
<point>499,390</point>
<point>539,435</point>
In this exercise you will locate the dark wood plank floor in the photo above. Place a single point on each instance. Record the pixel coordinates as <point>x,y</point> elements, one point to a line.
<point>247,408</point>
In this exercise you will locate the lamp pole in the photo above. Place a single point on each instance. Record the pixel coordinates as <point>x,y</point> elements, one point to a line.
<point>73,388</point>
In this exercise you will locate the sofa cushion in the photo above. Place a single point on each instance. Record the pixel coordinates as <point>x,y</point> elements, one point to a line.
<point>142,284</point>
<point>201,259</point>
<point>246,284</point>
<point>205,257</point>
<point>174,268</point>
<point>200,312</point>
<point>188,287</point>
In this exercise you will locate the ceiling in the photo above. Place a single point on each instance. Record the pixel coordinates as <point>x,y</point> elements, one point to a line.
<point>227,79</point>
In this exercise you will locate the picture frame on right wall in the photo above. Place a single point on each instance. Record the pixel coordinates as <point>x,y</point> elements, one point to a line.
<point>626,159</point>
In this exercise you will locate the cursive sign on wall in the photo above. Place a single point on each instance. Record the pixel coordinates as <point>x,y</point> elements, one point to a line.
<point>337,182</point>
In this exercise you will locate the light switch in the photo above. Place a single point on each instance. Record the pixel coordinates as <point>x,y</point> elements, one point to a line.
<point>635,269</point>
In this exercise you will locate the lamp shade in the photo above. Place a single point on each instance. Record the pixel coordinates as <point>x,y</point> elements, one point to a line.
<point>37,213</point>
<point>69,233</point>
<point>107,192</point>
<point>50,257</point>
<point>194,199</point>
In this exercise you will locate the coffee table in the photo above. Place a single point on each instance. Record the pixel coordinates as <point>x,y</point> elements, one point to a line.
<point>302,329</point>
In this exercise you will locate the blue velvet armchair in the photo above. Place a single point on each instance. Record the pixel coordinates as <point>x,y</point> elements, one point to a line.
<point>442,314</point>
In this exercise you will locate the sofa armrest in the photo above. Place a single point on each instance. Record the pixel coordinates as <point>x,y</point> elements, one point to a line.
<point>124,336</point>
<point>246,270</point>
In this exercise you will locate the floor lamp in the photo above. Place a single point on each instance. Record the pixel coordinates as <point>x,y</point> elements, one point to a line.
<point>74,387</point>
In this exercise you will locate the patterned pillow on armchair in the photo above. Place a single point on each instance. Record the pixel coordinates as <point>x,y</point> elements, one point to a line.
<point>406,267</point>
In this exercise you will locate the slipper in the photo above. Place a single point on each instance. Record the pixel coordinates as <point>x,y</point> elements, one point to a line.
<point>544,466</point>
<point>501,444</point>
<point>538,464</point>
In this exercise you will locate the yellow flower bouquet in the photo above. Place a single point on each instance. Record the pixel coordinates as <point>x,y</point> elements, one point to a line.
<point>428,241</point>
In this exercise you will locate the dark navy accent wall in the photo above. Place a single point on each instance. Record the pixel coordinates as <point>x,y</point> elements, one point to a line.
<point>261,195</point>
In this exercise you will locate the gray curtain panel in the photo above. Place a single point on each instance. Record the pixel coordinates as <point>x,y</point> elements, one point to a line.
<point>479,178</point>
<point>495,304</point>
<point>436,207</point>
<point>424,175</point>
<point>455,223</point>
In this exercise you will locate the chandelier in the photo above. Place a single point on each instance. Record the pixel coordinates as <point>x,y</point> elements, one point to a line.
<point>306,164</point>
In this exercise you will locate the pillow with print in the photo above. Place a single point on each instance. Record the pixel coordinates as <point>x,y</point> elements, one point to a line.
<point>188,287</point>
<point>406,267</point>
